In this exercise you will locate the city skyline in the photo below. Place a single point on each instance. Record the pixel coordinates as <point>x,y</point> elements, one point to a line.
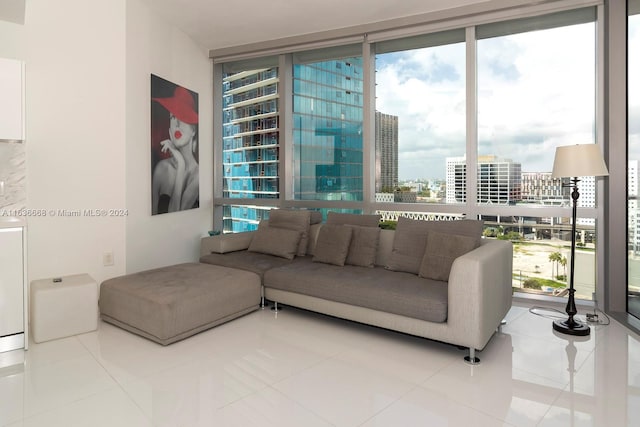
<point>531,96</point>
<point>426,89</point>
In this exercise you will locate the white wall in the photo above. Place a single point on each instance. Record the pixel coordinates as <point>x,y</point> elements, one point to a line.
<point>155,47</point>
<point>88,65</point>
<point>75,114</point>
<point>12,36</point>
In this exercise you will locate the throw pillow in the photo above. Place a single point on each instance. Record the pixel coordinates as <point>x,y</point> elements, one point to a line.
<point>333,244</point>
<point>338,218</point>
<point>298,220</point>
<point>410,240</point>
<point>364,246</point>
<point>275,241</point>
<point>442,249</point>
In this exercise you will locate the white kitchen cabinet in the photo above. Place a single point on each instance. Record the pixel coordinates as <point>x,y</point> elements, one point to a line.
<point>12,285</point>
<point>12,100</point>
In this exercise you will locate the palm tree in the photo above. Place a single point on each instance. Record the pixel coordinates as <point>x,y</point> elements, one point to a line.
<point>555,258</point>
<point>563,263</point>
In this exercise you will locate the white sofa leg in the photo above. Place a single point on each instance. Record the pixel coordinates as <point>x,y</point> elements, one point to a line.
<point>262,304</point>
<point>275,306</point>
<point>471,359</point>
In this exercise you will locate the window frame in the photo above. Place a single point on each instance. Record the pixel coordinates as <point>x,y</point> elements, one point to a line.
<point>466,18</point>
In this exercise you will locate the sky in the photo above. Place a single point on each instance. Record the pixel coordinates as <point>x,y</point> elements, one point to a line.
<point>536,91</point>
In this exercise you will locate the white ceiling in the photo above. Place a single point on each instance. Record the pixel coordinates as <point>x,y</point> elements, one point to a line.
<point>12,11</point>
<point>215,24</point>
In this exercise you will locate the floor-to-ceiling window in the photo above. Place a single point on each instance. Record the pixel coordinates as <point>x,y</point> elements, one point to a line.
<point>633,120</point>
<point>456,121</point>
<point>327,124</point>
<point>537,91</point>
<point>420,119</point>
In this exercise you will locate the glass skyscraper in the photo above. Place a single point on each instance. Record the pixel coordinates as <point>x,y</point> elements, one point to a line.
<point>250,150</point>
<point>327,129</point>
<point>327,136</point>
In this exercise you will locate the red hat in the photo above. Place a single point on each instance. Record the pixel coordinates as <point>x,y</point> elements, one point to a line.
<point>181,105</point>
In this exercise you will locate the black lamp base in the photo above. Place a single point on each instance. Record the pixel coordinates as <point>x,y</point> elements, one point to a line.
<point>571,328</point>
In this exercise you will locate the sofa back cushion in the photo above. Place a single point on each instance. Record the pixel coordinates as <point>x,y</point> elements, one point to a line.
<point>386,238</point>
<point>385,246</point>
<point>315,217</point>
<point>296,220</point>
<point>411,236</point>
<point>364,246</point>
<point>337,218</point>
<point>441,250</point>
<point>275,241</point>
<point>333,242</point>
<point>408,245</point>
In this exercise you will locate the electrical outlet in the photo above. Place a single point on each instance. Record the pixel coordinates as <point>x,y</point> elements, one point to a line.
<point>592,317</point>
<point>107,259</point>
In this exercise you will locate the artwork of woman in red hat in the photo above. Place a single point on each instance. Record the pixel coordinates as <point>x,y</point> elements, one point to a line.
<point>174,147</point>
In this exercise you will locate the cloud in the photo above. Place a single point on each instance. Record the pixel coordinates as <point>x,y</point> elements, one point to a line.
<point>425,89</point>
<point>500,57</point>
<point>536,91</point>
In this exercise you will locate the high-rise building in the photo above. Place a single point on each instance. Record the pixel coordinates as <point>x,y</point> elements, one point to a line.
<point>386,152</point>
<point>632,207</point>
<point>250,144</point>
<point>499,180</point>
<point>587,199</point>
<point>456,190</point>
<point>327,132</point>
<point>327,129</point>
<point>541,188</point>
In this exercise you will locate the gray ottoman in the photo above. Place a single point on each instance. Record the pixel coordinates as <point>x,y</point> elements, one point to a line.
<point>172,303</point>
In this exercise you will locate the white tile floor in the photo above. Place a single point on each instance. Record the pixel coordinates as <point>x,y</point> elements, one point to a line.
<point>304,369</point>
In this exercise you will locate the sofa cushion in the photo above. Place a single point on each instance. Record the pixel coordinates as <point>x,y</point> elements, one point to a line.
<point>375,288</point>
<point>315,217</point>
<point>244,260</point>
<point>338,218</point>
<point>171,303</point>
<point>364,246</point>
<point>229,242</point>
<point>333,244</point>
<point>442,249</point>
<point>408,245</point>
<point>410,240</point>
<point>297,220</point>
<point>275,241</point>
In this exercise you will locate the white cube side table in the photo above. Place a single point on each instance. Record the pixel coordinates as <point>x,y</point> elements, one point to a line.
<point>63,307</point>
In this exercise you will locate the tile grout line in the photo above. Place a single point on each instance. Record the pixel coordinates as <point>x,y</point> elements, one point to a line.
<point>117,383</point>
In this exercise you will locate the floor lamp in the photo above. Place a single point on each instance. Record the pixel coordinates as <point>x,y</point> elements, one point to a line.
<point>573,161</point>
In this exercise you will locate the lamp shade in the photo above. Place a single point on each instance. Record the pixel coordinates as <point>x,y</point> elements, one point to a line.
<point>578,160</point>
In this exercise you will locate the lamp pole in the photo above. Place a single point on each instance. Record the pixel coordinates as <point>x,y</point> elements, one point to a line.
<point>573,161</point>
<point>571,326</point>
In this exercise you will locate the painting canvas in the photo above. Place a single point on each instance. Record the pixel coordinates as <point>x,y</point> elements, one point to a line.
<point>175,173</point>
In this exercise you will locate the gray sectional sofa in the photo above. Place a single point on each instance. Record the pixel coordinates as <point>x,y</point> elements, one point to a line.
<point>432,279</point>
